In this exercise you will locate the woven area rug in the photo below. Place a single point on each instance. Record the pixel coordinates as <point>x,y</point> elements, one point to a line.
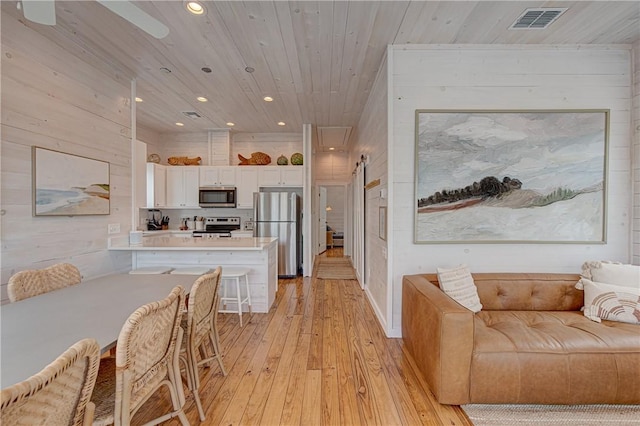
<point>542,415</point>
<point>335,268</point>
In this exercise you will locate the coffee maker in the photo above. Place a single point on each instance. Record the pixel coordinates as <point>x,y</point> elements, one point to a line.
<point>154,220</point>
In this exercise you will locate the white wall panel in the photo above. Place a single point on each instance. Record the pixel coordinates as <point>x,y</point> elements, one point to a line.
<point>515,77</point>
<point>184,145</point>
<point>56,100</point>
<point>332,167</point>
<point>150,137</point>
<point>220,148</point>
<point>371,140</point>
<point>336,199</point>
<point>273,144</point>
<point>636,153</point>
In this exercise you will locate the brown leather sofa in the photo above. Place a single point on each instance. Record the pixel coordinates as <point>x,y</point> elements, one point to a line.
<point>529,344</point>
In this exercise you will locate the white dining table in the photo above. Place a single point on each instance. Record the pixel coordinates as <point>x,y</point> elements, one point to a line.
<point>35,331</point>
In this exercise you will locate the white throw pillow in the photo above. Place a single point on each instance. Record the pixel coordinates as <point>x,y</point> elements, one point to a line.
<point>613,273</point>
<point>458,284</point>
<point>616,274</point>
<point>610,302</point>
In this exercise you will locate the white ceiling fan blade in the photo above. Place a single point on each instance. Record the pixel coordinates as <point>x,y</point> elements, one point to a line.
<point>39,11</point>
<point>137,17</point>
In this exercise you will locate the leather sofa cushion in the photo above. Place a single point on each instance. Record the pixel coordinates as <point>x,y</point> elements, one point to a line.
<point>529,292</point>
<point>526,291</point>
<point>553,358</point>
<point>558,332</point>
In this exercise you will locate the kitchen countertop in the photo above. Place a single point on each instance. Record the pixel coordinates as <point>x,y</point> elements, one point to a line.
<point>167,232</point>
<point>186,243</point>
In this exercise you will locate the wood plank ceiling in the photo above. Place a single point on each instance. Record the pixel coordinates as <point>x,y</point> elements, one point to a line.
<point>316,59</point>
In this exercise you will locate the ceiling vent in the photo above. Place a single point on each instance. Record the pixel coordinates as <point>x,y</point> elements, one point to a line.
<point>334,137</point>
<point>192,114</point>
<point>537,19</point>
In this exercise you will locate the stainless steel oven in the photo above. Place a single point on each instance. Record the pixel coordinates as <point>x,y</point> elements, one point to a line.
<point>217,196</point>
<point>218,227</point>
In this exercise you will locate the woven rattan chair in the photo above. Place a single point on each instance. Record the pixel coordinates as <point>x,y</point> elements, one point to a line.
<point>25,284</point>
<point>201,327</point>
<point>57,395</point>
<point>146,359</point>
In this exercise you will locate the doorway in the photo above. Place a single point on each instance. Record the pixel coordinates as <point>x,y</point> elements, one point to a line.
<point>332,207</point>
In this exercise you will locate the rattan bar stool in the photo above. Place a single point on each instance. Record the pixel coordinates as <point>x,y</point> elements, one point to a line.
<point>232,275</point>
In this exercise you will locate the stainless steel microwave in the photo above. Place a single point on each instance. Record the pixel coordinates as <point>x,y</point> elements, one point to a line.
<point>217,196</point>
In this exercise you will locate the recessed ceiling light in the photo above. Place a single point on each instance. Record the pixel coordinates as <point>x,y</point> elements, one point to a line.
<point>281,123</point>
<point>138,99</point>
<point>202,99</point>
<point>230,124</point>
<point>165,70</point>
<point>331,149</point>
<point>179,124</point>
<point>206,69</point>
<point>268,99</point>
<point>195,7</point>
<point>249,69</point>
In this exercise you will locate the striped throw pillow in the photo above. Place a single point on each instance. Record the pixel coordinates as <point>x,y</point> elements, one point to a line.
<point>458,284</point>
<point>610,302</point>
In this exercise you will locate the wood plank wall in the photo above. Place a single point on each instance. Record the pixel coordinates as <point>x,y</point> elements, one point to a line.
<point>190,145</point>
<point>220,141</point>
<point>336,199</point>
<point>636,154</point>
<point>509,77</point>
<point>148,136</point>
<point>197,144</point>
<point>371,140</point>
<point>273,144</point>
<point>59,100</point>
<point>334,167</point>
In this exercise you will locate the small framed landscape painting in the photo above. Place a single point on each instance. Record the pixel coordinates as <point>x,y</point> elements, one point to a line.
<point>382,225</point>
<point>68,185</point>
<point>511,176</point>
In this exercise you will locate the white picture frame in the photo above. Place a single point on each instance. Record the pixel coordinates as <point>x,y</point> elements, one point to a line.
<point>69,185</point>
<point>501,176</point>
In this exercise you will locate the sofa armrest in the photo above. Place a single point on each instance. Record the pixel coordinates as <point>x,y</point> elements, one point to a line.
<point>438,333</point>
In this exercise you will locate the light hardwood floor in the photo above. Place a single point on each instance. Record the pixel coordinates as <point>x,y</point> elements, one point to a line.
<point>319,357</point>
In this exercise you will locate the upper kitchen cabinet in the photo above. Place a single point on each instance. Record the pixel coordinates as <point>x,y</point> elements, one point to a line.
<point>156,185</point>
<point>217,176</point>
<point>183,183</point>
<point>246,184</point>
<point>281,175</point>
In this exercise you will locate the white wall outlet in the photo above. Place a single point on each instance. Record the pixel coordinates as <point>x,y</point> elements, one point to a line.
<point>114,228</point>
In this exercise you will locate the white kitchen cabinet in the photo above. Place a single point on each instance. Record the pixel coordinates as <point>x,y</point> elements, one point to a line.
<point>217,176</point>
<point>281,175</point>
<point>156,185</point>
<point>292,176</point>
<point>182,186</point>
<point>246,185</point>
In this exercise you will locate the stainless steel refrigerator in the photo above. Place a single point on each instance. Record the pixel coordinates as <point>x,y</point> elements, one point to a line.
<point>277,214</point>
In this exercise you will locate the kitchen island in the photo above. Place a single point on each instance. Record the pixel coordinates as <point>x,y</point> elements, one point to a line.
<point>180,250</point>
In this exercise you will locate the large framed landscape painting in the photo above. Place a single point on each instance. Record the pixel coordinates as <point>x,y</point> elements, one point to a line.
<point>68,185</point>
<point>511,176</point>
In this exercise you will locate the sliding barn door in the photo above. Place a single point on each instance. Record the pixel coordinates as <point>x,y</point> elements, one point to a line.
<point>358,224</point>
